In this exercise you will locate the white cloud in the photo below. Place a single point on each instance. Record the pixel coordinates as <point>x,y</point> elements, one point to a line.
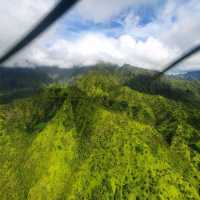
<point>103,10</point>
<point>92,48</point>
<point>17,17</point>
<point>182,33</point>
<point>164,40</point>
<point>99,11</point>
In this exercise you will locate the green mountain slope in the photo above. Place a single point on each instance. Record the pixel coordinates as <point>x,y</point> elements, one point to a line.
<point>101,137</point>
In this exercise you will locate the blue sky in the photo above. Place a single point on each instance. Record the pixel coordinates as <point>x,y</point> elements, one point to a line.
<point>113,25</point>
<point>144,33</point>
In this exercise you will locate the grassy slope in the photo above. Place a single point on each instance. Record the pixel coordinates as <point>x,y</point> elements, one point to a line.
<point>98,140</point>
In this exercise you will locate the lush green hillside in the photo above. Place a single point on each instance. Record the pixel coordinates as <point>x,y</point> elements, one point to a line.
<point>17,78</point>
<point>21,78</point>
<point>21,82</point>
<point>104,136</point>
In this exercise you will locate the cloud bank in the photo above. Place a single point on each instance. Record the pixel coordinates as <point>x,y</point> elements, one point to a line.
<point>143,33</point>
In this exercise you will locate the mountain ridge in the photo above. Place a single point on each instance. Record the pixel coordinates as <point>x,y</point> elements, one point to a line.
<point>102,136</point>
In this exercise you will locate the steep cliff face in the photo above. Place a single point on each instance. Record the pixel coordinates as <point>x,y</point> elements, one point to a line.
<point>99,139</point>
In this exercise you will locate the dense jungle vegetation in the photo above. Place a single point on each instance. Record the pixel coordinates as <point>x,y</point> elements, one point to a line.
<point>101,133</point>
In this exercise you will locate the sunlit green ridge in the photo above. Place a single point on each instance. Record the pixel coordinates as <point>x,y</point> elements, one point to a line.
<point>102,137</point>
